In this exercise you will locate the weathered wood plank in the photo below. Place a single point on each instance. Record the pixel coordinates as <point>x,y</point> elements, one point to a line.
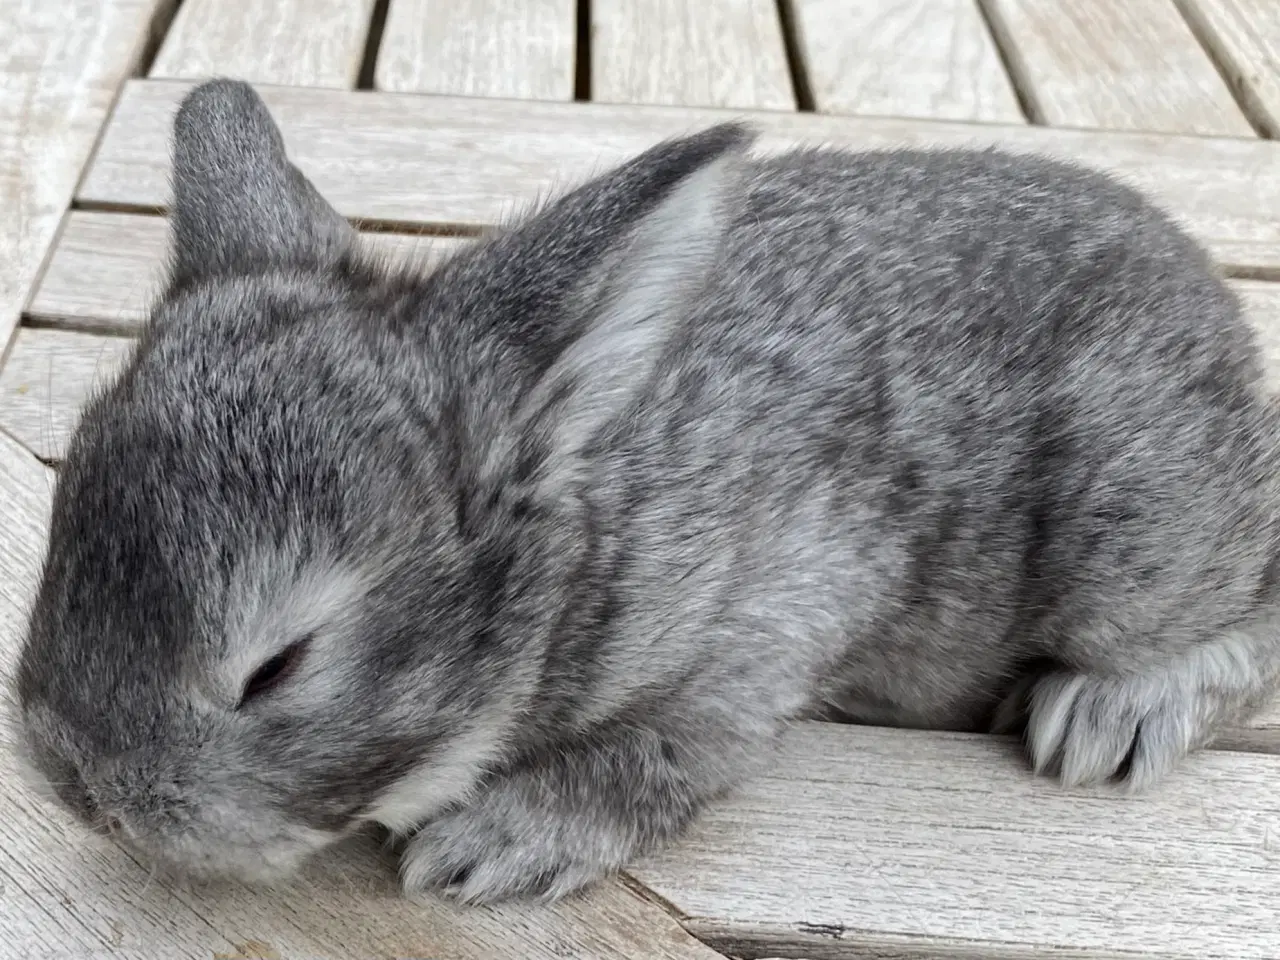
<point>61,62</point>
<point>716,53</point>
<point>65,892</point>
<point>1261,302</point>
<point>1115,66</point>
<point>1244,36</point>
<point>107,268</point>
<point>48,378</point>
<point>488,48</point>
<point>26,487</point>
<point>467,160</point>
<point>307,43</point>
<point>904,58</point>
<point>874,843</point>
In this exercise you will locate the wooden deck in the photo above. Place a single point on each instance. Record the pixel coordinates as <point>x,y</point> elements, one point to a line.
<point>421,118</point>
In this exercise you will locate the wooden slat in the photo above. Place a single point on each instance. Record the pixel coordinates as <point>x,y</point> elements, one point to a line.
<point>904,58</point>
<point>468,160</point>
<point>1244,36</point>
<point>309,43</point>
<point>713,53</point>
<point>61,62</point>
<point>874,843</point>
<point>489,48</point>
<point>25,492</point>
<point>1131,65</point>
<point>46,380</point>
<point>103,273</point>
<point>1261,301</point>
<point>67,893</point>
<point>107,267</point>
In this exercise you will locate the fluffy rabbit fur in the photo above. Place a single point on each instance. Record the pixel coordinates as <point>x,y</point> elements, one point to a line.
<point>531,557</point>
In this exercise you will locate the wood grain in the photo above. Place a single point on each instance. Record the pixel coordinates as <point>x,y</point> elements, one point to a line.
<point>26,487</point>
<point>1133,65</point>
<point>874,843</point>
<point>47,379</point>
<point>308,43</point>
<point>714,53</point>
<point>61,62</point>
<point>488,48</point>
<point>108,267</point>
<point>1261,302</point>
<point>434,160</point>
<point>904,58</point>
<point>1244,37</point>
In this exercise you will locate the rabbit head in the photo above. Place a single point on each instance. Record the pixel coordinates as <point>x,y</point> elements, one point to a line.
<point>304,550</point>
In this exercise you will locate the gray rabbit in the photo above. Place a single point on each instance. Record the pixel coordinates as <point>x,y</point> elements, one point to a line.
<point>530,557</point>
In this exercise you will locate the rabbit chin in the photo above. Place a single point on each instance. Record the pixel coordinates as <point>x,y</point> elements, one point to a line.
<point>265,854</point>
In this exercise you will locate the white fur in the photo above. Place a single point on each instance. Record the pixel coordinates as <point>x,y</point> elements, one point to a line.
<point>669,256</point>
<point>272,607</point>
<point>448,777</point>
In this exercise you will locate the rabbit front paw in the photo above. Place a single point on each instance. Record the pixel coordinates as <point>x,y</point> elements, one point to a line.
<point>1088,729</point>
<point>496,851</point>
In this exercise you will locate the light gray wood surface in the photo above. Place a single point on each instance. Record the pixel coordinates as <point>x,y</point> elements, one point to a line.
<point>1244,37</point>
<point>307,43</point>
<point>875,843</point>
<point>904,58</point>
<point>108,267</point>
<point>713,53</point>
<point>1114,65</point>
<point>472,161</point>
<point>46,380</point>
<point>61,62</point>
<point>487,48</point>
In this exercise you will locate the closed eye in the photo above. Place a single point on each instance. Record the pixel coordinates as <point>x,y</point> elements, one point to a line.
<point>275,671</point>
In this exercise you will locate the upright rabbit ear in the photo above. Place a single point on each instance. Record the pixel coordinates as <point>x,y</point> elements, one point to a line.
<point>239,204</point>
<point>651,282</point>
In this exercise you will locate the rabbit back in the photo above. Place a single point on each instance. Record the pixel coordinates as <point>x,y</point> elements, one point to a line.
<point>935,416</point>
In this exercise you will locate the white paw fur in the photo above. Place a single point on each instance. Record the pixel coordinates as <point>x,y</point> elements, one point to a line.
<point>483,854</point>
<point>1088,728</point>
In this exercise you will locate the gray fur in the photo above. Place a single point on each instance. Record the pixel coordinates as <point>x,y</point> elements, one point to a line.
<point>576,524</point>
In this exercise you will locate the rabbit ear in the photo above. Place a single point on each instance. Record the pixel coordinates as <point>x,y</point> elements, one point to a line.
<point>647,290</point>
<point>239,204</point>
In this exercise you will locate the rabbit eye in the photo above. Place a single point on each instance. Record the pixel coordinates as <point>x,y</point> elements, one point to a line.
<point>275,671</point>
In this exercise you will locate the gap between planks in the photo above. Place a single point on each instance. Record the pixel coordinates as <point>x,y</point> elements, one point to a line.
<point>55,93</point>
<point>1243,38</point>
<point>466,161</point>
<point>1132,65</point>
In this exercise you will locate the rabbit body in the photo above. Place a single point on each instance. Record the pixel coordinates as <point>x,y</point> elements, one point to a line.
<point>530,557</point>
